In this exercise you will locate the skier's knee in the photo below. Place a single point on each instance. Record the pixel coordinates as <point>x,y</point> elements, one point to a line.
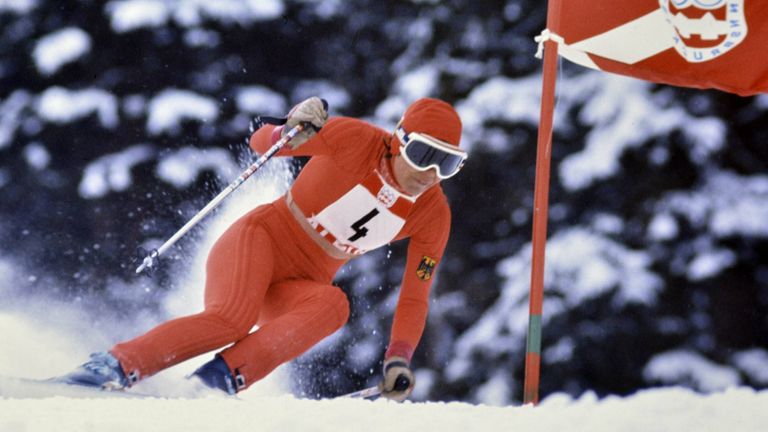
<point>237,327</point>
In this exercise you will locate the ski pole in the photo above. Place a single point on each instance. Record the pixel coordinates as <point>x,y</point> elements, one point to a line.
<point>364,393</point>
<point>401,384</point>
<point>149,260</point>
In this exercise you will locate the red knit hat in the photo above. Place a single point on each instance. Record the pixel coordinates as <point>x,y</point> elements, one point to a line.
<point>435,118</point>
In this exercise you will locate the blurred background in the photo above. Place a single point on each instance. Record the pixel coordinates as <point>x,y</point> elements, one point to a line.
<point>119,120</point>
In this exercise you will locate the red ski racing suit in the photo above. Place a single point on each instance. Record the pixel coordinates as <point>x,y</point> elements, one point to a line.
<point>274,267</point>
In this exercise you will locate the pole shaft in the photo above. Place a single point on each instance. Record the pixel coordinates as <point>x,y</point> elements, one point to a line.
<point>223,194</point>
<point>540,211</point>
<point>364,393</point>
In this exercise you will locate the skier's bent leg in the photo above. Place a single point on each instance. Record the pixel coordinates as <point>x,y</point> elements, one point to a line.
<point>296,315</point>
<point>239,270</point>
<point>176,341</point>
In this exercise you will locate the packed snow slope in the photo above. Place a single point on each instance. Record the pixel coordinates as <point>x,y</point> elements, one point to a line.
<point>671,409</point>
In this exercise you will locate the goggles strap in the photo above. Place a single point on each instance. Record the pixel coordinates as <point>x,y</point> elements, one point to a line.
<point>401,135</point>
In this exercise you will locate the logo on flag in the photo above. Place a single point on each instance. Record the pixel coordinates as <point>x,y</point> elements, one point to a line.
<point>689,43</point>
<point>705,29</point>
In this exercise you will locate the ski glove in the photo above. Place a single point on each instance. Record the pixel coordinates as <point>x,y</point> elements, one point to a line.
<point>398,379</point>
<point>309,111</point>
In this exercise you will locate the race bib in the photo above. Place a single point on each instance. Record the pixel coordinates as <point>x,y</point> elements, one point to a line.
<point>367,217</point>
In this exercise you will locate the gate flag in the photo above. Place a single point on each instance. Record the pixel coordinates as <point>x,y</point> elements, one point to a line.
<point>721,44</point>
<point>718,44</point>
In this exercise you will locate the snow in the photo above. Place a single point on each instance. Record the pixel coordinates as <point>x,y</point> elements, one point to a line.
<point>391,109</point>
<point>172,106</point>
<point>418,83</point>
<point>67,332</point>
<point>710,263</point>
<point>617,124</point>
<point>663,226</point>
<point>502,98</point>
<point>61,105</point>
<point>672,409</point>
<point>581,265</point>
<point>10,111</point>
<point>192,12</point>
<point>338,98</point>
<point>754,363</point>
<point>561,351</point>
<point>687,366</point>
<point>474,38</point>
<point>727,203</point>
<point>261,100</point>
<point>512,12</point>
<point>6,272</point>
<point>63,46</point>
<point>5,177</point>
<point>630,121</point>
<point>201,38</point>
<point>182,167</point>
<point>327,9</point>
<point>364,352</point>
<point>761,101</point>
<point>37,156</point>
<point>17,6</point>
<point>130,15</point>
<point>496,390</point>
<point>112,172</point>
<point>607,223</point>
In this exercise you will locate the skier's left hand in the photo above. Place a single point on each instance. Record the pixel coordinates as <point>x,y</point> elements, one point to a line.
<point>398,379</point>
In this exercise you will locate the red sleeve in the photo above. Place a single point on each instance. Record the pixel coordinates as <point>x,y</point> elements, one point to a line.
<point>264,138</point>
<point>425,249</point>
<point>337,131</point>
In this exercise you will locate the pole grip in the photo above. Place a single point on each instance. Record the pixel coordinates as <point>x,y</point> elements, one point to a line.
<point>401,383</point>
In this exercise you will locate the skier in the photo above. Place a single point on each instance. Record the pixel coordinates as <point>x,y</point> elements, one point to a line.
<point>362,188</point>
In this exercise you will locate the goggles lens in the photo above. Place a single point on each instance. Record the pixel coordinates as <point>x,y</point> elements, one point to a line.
<point>422,153</point>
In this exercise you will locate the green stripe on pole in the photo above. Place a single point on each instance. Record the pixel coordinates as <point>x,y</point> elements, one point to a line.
<point>534,335</point>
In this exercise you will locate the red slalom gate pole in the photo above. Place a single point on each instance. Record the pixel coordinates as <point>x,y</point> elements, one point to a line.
<point>540,210</point>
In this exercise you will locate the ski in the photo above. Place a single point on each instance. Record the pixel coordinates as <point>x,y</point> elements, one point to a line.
<point>31,388</point>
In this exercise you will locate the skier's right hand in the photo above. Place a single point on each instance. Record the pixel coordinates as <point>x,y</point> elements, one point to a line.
<point>398,379</point>
<point>311,114</point>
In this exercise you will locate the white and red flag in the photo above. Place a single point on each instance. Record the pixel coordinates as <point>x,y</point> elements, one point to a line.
<point>718,44</point>
<point>721,44</point>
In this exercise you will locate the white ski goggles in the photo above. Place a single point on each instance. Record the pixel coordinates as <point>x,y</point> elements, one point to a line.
<point>423,152</point>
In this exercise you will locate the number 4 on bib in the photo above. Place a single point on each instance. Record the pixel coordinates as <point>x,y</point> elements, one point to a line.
<point>360,230</point>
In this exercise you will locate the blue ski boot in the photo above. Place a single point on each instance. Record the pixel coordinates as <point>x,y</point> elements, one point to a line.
<point>103,371</point>
<point>215,374</point>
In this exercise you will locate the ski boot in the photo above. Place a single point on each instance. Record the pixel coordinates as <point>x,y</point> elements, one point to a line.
<point>215,374</point>
<point>103,371</point>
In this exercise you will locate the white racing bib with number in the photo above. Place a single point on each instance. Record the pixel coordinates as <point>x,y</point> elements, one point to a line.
<point>367,217</point>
